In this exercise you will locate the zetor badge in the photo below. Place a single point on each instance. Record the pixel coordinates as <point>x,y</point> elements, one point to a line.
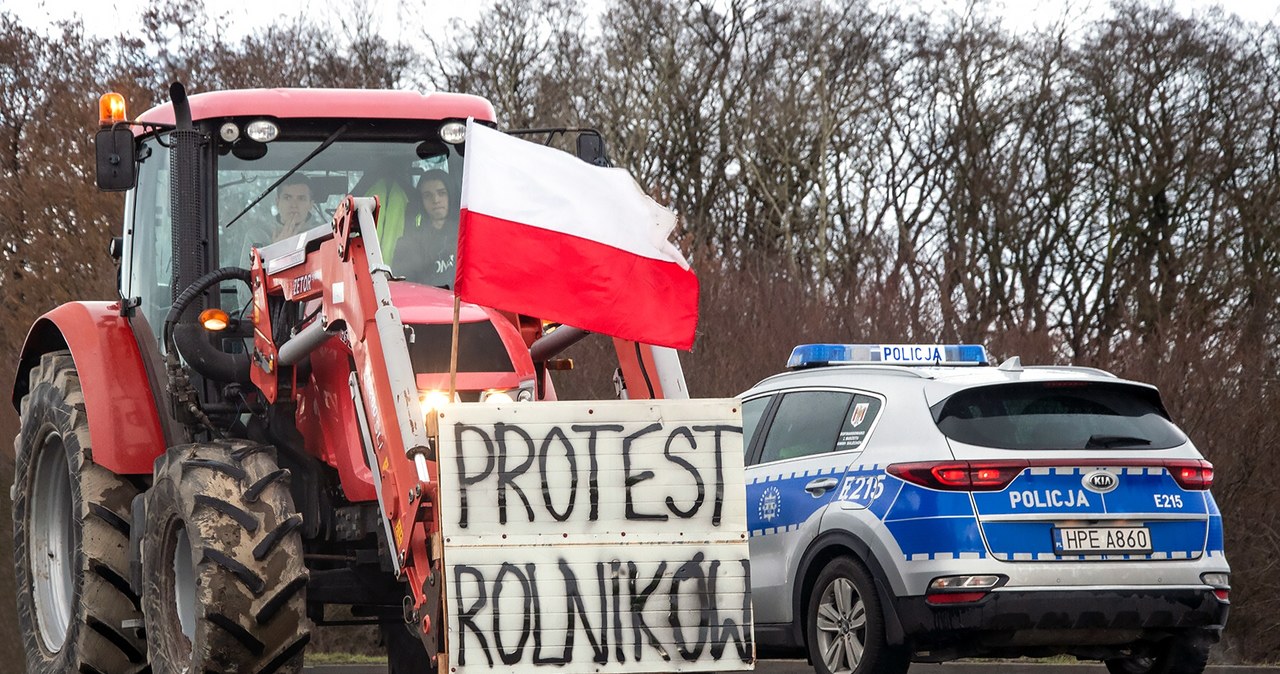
<point>914,503</point>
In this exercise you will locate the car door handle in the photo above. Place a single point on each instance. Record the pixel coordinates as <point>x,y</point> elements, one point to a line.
<point>821,486</point>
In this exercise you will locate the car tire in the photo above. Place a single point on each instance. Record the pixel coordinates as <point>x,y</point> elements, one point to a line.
<point>225,587</point>
<point>844,624</point>
<point>1175,655</point>
<point>76,610</point>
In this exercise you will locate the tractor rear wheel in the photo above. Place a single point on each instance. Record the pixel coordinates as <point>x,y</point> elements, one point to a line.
<point>225,587</point>
<point>76,609</point>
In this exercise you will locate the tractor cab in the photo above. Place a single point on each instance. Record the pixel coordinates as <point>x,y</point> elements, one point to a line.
<point>270,174</point>
<point>277,163</point>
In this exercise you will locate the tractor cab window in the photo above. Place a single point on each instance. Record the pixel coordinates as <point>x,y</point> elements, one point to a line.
<point>395,172</point>
<point>417,184</point>
<point>148,269</point>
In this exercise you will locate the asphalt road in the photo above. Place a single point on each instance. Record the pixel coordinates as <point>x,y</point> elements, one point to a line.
<point>799,667</point>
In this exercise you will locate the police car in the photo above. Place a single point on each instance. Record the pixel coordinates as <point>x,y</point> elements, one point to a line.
<point>917,503</point>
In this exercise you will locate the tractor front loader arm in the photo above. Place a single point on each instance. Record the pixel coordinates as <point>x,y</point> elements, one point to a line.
<point>342,279</point>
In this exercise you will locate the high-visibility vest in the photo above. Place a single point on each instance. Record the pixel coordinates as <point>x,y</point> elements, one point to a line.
<point>393,202</point>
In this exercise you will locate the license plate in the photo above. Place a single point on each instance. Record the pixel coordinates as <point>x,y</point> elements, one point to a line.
<point>1091,540</point>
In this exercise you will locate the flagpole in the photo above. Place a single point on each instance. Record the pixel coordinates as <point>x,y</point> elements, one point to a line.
<point>453,350</point>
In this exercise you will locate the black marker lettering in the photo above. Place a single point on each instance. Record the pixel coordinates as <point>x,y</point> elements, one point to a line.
<point>531,571</point>
<point>718,429</point>
<point>507,477</point>
<point>690,571</point>
<point>465,480</point>
<point>633,480</point>
<point>518,653</point>
<point>467,618</point>
<point>729,629</point>
<point>638,600</point>
<point>692,470</point>
<point>573,473</point>
<point>592,483</point>
<point>616,567</point>
<point>577,609</point>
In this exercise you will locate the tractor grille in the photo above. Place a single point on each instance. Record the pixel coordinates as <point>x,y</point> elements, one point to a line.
<point>480,348</point>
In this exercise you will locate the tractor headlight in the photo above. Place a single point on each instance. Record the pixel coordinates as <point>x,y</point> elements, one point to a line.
<point>498,397</point>
<point>229,132</point>
<point>262,130</point>
<point>503,396</point>
<point>453,133</point>
<point>432,400</point>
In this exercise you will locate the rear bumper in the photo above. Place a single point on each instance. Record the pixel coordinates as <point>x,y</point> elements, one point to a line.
<point>1092,623</point>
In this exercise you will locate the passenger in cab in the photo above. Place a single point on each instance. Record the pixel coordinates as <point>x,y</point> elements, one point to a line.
<point>427,250</point>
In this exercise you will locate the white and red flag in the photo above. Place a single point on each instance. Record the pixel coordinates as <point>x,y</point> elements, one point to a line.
<point>546,234</point>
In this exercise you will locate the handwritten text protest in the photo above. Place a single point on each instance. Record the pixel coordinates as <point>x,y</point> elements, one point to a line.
<point>601,536</point>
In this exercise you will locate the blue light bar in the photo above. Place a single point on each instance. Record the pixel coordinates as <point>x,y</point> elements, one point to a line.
<point>817,355</point>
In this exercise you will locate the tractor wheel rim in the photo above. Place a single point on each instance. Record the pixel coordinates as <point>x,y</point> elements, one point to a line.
<point>184,585</point>
<point>842,626</point>
<point>52,547</point>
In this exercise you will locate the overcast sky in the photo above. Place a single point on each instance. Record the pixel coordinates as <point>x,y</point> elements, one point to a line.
<point>114,17</point>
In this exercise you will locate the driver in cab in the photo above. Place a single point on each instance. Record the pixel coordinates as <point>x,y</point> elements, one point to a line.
<point>295,207</point>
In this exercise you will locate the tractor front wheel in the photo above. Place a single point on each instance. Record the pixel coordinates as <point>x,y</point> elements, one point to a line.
<point>76,609</point>
<point>225,580</point>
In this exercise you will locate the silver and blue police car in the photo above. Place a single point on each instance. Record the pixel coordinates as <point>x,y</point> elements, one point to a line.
<point>917,503</point>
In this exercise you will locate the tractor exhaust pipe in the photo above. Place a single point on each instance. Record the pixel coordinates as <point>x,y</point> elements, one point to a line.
<point>188,194</point>
<point>186,198</point>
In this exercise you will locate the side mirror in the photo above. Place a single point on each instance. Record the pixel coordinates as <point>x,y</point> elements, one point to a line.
<point>591,148</point>
<point>117,165</point>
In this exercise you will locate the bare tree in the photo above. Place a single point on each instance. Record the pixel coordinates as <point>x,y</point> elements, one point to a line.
<point>1101,191</point>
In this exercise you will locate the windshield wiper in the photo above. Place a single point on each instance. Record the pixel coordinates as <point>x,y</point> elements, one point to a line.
<point>321,148</point>
<point>1109,441</point>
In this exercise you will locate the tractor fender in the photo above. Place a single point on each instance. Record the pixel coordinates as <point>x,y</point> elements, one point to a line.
<point>124,425</point>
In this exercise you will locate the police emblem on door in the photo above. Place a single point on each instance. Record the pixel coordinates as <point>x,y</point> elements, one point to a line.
<point>770,504</point>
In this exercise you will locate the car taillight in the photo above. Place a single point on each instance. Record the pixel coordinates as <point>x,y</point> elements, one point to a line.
<point>1220,582</point>
<point>1191,473</point>
<point>962,589</point>
<point>959,475</point>
<point>955,597</point>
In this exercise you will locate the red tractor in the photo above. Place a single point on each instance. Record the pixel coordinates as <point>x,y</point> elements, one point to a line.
<point>246,438</point>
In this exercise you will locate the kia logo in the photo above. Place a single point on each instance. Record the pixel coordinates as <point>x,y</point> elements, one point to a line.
<point>1100,481</point>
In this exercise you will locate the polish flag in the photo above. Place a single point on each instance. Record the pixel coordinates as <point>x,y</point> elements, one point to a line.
<point>546,234</point>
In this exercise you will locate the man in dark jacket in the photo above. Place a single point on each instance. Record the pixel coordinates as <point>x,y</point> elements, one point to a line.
<point>426,252</point>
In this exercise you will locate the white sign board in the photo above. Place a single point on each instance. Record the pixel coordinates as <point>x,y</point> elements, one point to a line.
<point>595,537</point>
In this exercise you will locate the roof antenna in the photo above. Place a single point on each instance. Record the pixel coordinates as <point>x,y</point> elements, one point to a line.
<point>1014,364</point>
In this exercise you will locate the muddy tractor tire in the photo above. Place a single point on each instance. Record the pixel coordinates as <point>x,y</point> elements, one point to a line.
<point>225,582</point>
<point>76,610</point>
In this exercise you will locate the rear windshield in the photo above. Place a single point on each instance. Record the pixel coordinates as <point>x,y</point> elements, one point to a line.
<point>1058,415</point>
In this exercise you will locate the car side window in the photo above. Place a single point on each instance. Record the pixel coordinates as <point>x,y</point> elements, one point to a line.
<point>858,422</point>
<point>806,423</point>
<point>752,411</point>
